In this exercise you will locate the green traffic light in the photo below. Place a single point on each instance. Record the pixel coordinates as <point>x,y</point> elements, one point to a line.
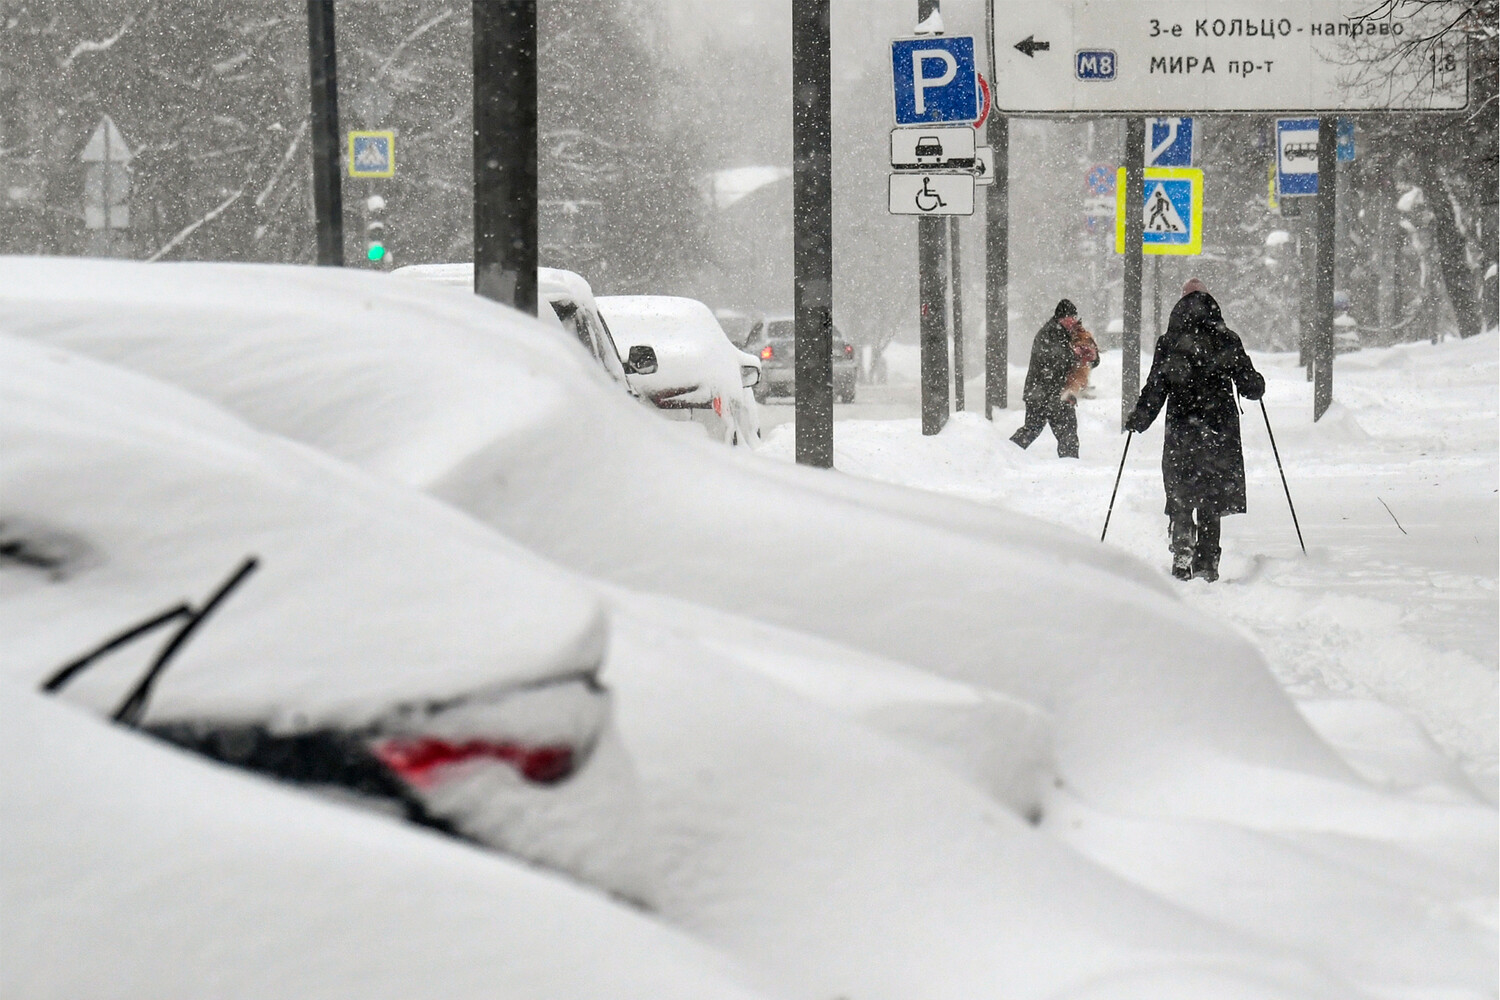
<point>376,252</point>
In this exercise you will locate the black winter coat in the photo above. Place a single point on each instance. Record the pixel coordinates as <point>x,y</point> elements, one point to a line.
<point>1051,360</point>
<point>1198,364</point>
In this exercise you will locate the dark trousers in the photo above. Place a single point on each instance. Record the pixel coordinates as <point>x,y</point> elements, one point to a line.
<point>1064,421</point>
<point>1194,539</point>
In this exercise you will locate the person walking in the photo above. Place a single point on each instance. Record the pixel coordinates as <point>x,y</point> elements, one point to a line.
<point>1198,365</point>
<point>1052,361</point>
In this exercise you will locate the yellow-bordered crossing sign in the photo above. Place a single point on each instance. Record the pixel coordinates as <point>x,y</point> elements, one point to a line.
<point>1172,210</point>
<point>372,154</point>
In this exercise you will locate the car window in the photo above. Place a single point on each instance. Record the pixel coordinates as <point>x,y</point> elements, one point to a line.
<point>609,354</point>
<point>572,320</point>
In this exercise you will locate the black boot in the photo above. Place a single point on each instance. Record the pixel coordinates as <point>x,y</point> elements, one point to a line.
<point>1182,535</point>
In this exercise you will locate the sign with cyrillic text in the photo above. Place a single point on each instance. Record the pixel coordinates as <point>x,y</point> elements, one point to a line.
<point>1186,56</point>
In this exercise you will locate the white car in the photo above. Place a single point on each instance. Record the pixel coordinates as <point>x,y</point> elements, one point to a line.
<point>572,303</point>
<point>377,646</point>
<point>698,370</point>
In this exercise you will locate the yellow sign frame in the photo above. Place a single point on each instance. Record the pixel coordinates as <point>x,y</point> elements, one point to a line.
<point>1194,176</point>
<point>389,137</point>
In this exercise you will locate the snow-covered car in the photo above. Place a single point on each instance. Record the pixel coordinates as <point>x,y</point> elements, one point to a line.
<point>699,372</point>
<point>132,870</point>
<point>774,341</point>
<point>571,301</point>
<point>266,606</point>
<point>816,850</point>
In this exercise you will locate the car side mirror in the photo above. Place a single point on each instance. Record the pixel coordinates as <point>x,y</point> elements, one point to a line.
<point>749,375</point>
<point>641,360</point>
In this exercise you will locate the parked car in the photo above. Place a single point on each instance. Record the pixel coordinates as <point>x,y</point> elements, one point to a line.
<point>571,300</point>
<point>774,342</point>
<point>363,641</point>
<point>699,372</point>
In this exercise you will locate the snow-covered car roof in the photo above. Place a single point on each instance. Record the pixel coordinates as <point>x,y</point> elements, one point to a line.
<point>144,496</point>
<point>551,282</point>
<point>644,319</point>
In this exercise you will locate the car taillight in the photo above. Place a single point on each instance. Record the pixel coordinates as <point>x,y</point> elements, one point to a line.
<point>848,350</point>
<point>418,760</point>
<point>766,353</point>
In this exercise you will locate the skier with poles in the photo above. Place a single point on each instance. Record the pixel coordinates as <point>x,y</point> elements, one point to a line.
<point>1198,365</point>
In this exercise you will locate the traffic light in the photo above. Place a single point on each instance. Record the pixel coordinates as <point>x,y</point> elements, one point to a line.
<point>375,251</point>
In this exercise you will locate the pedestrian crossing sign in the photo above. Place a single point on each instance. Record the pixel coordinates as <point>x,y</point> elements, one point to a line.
<point>1171,212</point>
<point>372,154</point>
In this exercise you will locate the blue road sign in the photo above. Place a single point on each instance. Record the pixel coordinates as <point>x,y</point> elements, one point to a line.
<point>1172,211</point>
<point>935,79</point>
<point>1173,142</point>
<point>1346,140</point>
<point>1296,156</point>
<point>1095,65</point>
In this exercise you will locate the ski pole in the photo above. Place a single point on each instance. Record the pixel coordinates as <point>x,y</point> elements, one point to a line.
<point>1113,492</point>
<point>1279,469</point>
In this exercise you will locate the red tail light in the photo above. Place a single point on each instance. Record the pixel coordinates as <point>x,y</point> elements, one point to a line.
<point>419,760</point>
<point>848,350</point>
<point>766,353</point>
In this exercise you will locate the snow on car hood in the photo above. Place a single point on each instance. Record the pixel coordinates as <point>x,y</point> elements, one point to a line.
<point>565,463</point>
<point>367,594</point>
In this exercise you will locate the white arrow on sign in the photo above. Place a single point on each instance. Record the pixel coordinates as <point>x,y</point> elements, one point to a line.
<point>932,194</point>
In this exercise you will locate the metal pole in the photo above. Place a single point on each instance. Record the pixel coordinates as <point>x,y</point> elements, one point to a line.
<point>996,258</point>
<point>934,336</point>
<point>328,197</point>
<point>1328,130</point>
<point>812,230</point>
<point>505,213</point>
<point>1134,195</point>
<point>1156,295</point>
<point>956,289</point>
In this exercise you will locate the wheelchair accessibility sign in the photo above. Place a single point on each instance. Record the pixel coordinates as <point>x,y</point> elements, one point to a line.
<point>1172,212</point>
<point>932,194</point>
<point>372,154</point>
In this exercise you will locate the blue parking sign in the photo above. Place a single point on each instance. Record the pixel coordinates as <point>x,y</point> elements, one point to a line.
<point>935,79</point>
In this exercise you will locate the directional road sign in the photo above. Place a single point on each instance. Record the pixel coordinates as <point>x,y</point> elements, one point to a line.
<point>932,194</point>
<point>934,79</point>
<point>1160,56</point>
<point>1296,157</point>
<point>1171,142</point>
<point>1172,212</point>
<point>931,146</point>
<point>372,154</point>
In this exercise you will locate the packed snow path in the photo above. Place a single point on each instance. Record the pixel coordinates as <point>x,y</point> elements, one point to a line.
<point>1391,617</point>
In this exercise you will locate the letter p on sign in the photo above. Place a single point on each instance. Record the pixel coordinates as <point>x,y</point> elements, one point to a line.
<point>934,80</point>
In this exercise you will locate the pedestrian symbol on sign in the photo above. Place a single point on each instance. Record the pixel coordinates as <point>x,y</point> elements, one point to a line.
<point>1161,216</point>
<point>372,154</point>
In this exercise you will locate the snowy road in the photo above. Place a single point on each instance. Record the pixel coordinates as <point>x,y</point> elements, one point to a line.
<point>1390,618</point>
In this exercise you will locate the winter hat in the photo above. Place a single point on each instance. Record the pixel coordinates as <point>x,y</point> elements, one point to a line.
<point>1064,308</point>
<point>1194,285</point>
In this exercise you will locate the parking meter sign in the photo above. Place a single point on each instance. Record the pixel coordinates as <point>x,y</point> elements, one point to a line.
<point>935,80</point>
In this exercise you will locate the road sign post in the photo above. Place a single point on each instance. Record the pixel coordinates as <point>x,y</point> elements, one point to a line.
<point>328,197</point>
<point>1327,207</point>
<point>812,232</point>
<point>1132,192</point>
<point>996,259</point>
<point>934,82</point>
<point>505,152</point>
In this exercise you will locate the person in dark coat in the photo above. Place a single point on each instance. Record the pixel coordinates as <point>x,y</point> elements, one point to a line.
<point>1052,359</point>
<point>1198,365</point>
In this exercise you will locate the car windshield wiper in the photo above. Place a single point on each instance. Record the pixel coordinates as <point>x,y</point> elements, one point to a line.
<point>133,707</point>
